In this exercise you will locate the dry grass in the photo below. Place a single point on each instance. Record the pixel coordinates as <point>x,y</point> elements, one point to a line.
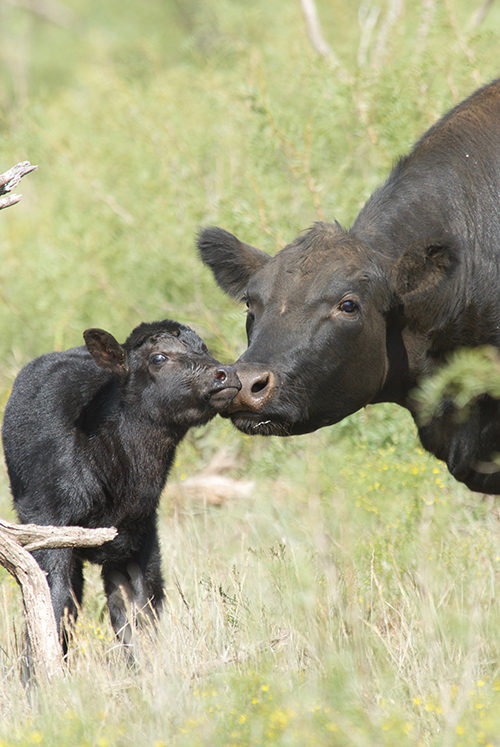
<point>335,589</point>
<point>293,616</point>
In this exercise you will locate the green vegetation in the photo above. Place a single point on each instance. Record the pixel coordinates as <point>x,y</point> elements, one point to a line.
<point>469,374</point>
<point>351,595</point>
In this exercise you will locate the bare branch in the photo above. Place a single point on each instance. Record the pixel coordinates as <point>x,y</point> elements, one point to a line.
<point>9,181</point>
<point>367,18</point>
<point>390,19</point>
<point>427,19</point>
<point>51,10</point>
<point>462,41</point>
<point>45,650</point>
<point>35,536</point>
<point>9,200</point>
<point>11,178</point>
<point>480,14</point>
<point>315,33</point>
<point>318,41</point>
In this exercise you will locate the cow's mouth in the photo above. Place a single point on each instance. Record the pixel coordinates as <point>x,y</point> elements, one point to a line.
<point>256,424</point>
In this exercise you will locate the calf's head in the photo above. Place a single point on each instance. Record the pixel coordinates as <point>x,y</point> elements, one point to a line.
<point>166,372</point>
<point>316,328</point>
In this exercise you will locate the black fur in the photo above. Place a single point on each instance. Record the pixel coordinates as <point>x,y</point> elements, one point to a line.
<point>420,270</point>
<point>91,445</point>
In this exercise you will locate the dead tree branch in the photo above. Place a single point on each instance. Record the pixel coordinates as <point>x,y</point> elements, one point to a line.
<point>50,10</point>
<point>36,537</point>
<point>388,23</point>
<point>318,41</point>
<point>9,181</point>
<point>424,28</point>
<point>45,650</point>
<point>315,33</point>
<point>480,14</point>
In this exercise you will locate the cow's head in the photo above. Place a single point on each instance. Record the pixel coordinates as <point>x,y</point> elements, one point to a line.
<point>316,327</point>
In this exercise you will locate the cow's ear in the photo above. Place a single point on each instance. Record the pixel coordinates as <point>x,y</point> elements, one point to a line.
<point>232,262</point>
<point>106,351</point>
<point>422,280</point>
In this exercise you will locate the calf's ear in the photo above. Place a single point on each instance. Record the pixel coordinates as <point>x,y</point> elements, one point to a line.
<point>422,281</point>
<point>106,351</point>
<point>232,262</point>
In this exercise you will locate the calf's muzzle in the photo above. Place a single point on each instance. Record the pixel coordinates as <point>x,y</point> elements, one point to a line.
<point>224,387</point>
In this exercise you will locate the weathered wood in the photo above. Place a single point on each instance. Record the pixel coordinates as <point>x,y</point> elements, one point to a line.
<point>44,646</point>
<point>9,181</point>
<point>45,650</point>
<point>36,537</point>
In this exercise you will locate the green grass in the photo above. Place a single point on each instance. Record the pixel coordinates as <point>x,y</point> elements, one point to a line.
<point>350,596</point>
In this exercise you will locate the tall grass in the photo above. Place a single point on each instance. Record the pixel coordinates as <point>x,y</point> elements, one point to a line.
<point>350,596</point>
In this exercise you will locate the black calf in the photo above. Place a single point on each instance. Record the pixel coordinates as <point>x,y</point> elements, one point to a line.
<point>91,445</point>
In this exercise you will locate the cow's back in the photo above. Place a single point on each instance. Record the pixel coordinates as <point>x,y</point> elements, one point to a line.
<point>447,186</point>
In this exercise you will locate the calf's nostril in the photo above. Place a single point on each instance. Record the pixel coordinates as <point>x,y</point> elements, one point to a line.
<point>220,374</point>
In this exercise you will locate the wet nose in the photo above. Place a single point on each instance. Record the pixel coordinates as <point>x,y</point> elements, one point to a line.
<point>257,386</point>
<point>227,377</point>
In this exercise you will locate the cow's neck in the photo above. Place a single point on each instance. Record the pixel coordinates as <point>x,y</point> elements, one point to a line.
<point>404,354</point>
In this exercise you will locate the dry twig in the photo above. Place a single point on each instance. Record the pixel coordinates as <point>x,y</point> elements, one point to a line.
<point>9,181</point>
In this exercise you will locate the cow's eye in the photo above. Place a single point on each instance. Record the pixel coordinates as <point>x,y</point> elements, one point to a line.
<point>158,359</point>
<point>348,306</point>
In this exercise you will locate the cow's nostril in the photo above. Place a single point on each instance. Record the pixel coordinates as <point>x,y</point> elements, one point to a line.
<point>257,388</point>
<point>221,374</point>
<point>259,385</point>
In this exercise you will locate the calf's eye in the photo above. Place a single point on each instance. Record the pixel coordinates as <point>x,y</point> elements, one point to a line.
<point>157,359</point>
<point>348,307</point>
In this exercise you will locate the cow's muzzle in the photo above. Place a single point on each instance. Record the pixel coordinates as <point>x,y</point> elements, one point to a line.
<point>257,389</point>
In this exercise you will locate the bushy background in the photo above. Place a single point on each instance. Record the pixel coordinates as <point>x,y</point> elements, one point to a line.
<point>339,588</point>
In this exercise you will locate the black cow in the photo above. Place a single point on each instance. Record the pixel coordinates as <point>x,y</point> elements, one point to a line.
<point>91,445</point>
<point>341,319</point>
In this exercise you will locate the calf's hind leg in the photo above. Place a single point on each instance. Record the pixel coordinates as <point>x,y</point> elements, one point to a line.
<point>134,590</point>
